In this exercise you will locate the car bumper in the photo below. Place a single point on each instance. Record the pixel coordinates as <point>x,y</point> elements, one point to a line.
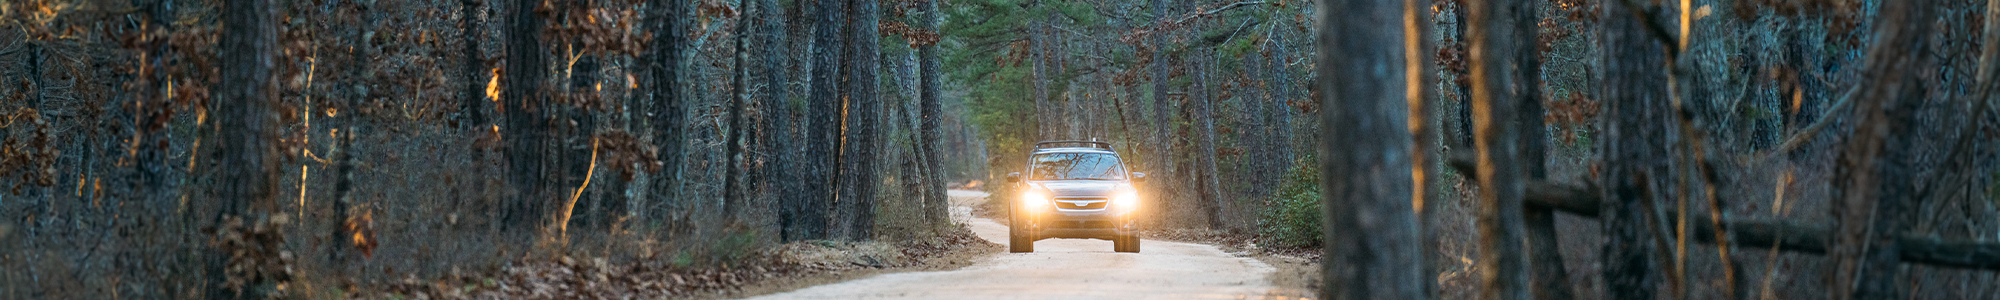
<point>1084,224</point>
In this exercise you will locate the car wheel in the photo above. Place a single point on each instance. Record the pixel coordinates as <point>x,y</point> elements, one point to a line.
<point>1019,238</point>
<point>1125,243</point>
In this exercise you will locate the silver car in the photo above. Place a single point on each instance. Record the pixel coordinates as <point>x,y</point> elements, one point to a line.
<point>1074,189</point>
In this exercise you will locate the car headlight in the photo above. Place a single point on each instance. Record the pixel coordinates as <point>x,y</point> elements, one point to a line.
<point>1126,201</point>
<point>1034,201</point>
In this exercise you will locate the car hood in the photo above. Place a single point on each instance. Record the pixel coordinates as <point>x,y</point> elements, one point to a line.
<point>1080,187</point>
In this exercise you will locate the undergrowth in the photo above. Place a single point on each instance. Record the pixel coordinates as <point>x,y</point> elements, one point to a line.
<point>1293,217</point>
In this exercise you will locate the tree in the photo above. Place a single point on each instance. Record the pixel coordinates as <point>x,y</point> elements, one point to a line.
<point>861,147</point>
<point>526,130</point>
<point>669,130</point>
<point>1502,267</point>
<point>931,110</point>
<point>1371,238</point>
<point>1873,180</point>
<point>1422,94</point>
<point>244,142</point>
<point>1634,149</point>
<point>1549,279</point>
<point>1205,175</point>
<point>825,99</point>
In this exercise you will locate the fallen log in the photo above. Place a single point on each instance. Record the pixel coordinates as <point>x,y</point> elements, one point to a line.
<point>1584,200</point>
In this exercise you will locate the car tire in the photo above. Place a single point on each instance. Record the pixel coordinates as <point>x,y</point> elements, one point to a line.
<point>1019,238</point>
<point>1125,243</point>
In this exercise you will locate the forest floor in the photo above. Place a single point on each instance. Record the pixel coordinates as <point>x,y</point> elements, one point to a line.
<point>1075,268</point>
<point>776,269</point>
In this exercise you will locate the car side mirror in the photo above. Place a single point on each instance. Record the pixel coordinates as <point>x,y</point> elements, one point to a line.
<point>1014,177</point>
<point>1138,177</point>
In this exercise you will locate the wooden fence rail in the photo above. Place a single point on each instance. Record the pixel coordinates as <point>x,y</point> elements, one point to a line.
<point>1584,200</point>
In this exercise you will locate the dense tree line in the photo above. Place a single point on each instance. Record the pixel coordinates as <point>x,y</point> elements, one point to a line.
<point>205,148</point>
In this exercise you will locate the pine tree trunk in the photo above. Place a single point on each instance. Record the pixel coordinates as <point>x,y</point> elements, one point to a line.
<point>1047,126</point>
<point>931,110</point>
<point>1421,80</point>
<point>1549,279</point>
<point>244,97</point>
<point>526,131</point>
<point>669,129</point>
<point>1214,206</point>
<point>472,66</point>
<point>732,194</point>
<point>1371,233</point>
<point>862,153</point>
<point>1162,148</point>
<point>1502,267</point>
<point>825,101</point>
<point>1634,149</point>
<point>780,171</point>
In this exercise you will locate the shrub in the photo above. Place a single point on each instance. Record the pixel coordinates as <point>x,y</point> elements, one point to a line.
<point>1292,217</point>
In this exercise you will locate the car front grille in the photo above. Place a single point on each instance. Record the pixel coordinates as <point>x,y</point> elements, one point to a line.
<point>1081,203</point>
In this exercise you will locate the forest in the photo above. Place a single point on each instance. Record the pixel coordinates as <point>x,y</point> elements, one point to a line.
<point>1412,149</point>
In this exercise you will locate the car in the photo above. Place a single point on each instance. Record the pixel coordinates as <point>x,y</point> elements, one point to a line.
<point>1074,190</point>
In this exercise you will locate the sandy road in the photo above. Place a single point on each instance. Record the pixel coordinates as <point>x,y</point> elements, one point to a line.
<point>1067,269</point>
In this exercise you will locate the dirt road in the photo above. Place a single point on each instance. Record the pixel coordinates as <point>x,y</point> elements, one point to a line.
<point>1068,269</point>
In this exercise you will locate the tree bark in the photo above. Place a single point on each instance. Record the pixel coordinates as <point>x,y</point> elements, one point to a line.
<point>244,97</point>
<point>524,96</point>
<point>1420,81</point>
<point>1214,206</point>
<point>1634,146</point>
<point>931,109</point>
<point>1549,279</point>
<point>472,67</point>
<point>861,151</point>
<point>1873,186</point>
<point>1502,266</point>
<point>1162,148</point>
<point>825,99</point>
<point>781,170</point>
<point>1046,124</point>
<point>732,187</point>
<point>1371,233</point>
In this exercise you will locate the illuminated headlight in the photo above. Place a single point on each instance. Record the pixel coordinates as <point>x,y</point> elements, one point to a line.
<point>1034,201</point>
<point>1126,201</point>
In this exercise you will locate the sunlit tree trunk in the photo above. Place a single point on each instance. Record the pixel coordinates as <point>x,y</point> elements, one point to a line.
<point>1502,267</point>
<point>1371,232</point>
<point>1420,80</point>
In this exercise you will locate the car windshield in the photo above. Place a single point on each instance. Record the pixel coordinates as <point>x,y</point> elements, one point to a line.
<point>1076,166</point>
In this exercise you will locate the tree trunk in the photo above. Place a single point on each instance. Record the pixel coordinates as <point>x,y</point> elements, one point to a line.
<point>669,129</point>
<point>1421,81</point>
<point>859,150</point>
<point>1371,233</point>
<point>472,67</point>
<point>781,170</point>
<point>931,110</point>
<point>1634,147</point>
<point>732,194</point>
<point>244,97</point>
<point>1162,150</point>
<point>826,102</point>
<point>1549,279</point>
<point>523,95</point>
<point>1502,267</point>
<point>1873,186</point>
<point>1206,184</point>
<point>1046,125</point>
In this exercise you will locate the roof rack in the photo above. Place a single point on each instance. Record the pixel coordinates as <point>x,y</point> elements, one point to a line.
<point>1093,144</point>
